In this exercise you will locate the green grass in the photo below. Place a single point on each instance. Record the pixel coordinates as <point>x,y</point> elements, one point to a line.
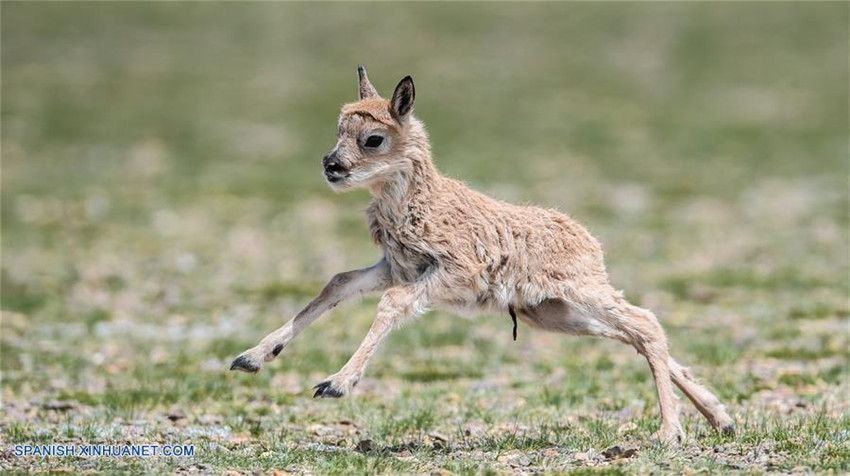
<point>163,209</point>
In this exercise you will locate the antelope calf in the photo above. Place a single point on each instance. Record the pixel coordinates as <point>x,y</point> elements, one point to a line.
<point>449,247</point>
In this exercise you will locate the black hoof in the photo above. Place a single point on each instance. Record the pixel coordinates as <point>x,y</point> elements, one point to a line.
<point>728,430</point>
<point>327,389</point>
<point>244,364</point>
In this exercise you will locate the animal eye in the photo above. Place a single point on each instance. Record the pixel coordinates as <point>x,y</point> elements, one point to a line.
<point>373,141</point>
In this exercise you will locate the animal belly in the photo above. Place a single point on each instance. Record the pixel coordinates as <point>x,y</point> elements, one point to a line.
<point>558,315</point>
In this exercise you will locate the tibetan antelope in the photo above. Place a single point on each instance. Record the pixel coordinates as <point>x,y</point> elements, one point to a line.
<point>449,247</point>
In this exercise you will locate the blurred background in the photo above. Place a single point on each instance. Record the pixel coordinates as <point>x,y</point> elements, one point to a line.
<point>164,208</point>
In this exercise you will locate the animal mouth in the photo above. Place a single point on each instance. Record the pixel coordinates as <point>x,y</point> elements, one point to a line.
<point>336,173</point>
<point>336,178</point>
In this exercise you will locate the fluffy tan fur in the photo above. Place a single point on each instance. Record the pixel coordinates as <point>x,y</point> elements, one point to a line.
<point>449,247</point>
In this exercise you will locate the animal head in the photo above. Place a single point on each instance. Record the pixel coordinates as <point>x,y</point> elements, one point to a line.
<point>378,139</point>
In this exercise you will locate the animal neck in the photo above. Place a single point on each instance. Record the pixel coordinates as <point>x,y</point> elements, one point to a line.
<point>415,181</point>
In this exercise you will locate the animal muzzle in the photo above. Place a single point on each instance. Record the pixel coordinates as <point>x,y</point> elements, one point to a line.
<point>334,168</point>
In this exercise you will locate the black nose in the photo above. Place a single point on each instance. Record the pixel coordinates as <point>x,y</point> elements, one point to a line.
<point>334,170</point>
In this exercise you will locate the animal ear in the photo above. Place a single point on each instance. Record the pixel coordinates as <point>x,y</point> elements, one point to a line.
<point>402,101</point>
<point>366,90</point>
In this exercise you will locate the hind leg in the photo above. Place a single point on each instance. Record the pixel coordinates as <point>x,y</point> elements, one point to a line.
<point>641,329</point>
<point>655,352</point>
<point>703,399</point>
<point>626,323</point>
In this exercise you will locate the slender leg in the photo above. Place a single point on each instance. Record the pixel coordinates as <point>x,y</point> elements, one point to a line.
<point>642,330</point>
<point>396,304</point>
<point>341,287</point>
<point>610,316</point>
<point>604,316</point>
<point>671,430</point>
<point>703,399</point>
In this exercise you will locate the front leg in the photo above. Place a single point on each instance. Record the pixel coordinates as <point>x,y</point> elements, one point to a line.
<point>341,287</point>
<point>396,304</point>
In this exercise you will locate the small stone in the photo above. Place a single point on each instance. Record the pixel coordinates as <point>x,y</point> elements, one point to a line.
<point>59,405</point>
<point>719,449</point>
<point>436,440</point>
<point>617,452</point>
<point>582,456</point>
<point>365,444</point>
<point>176,414</point>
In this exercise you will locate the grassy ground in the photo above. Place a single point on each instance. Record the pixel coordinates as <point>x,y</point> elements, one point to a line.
<point>163,209</point>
